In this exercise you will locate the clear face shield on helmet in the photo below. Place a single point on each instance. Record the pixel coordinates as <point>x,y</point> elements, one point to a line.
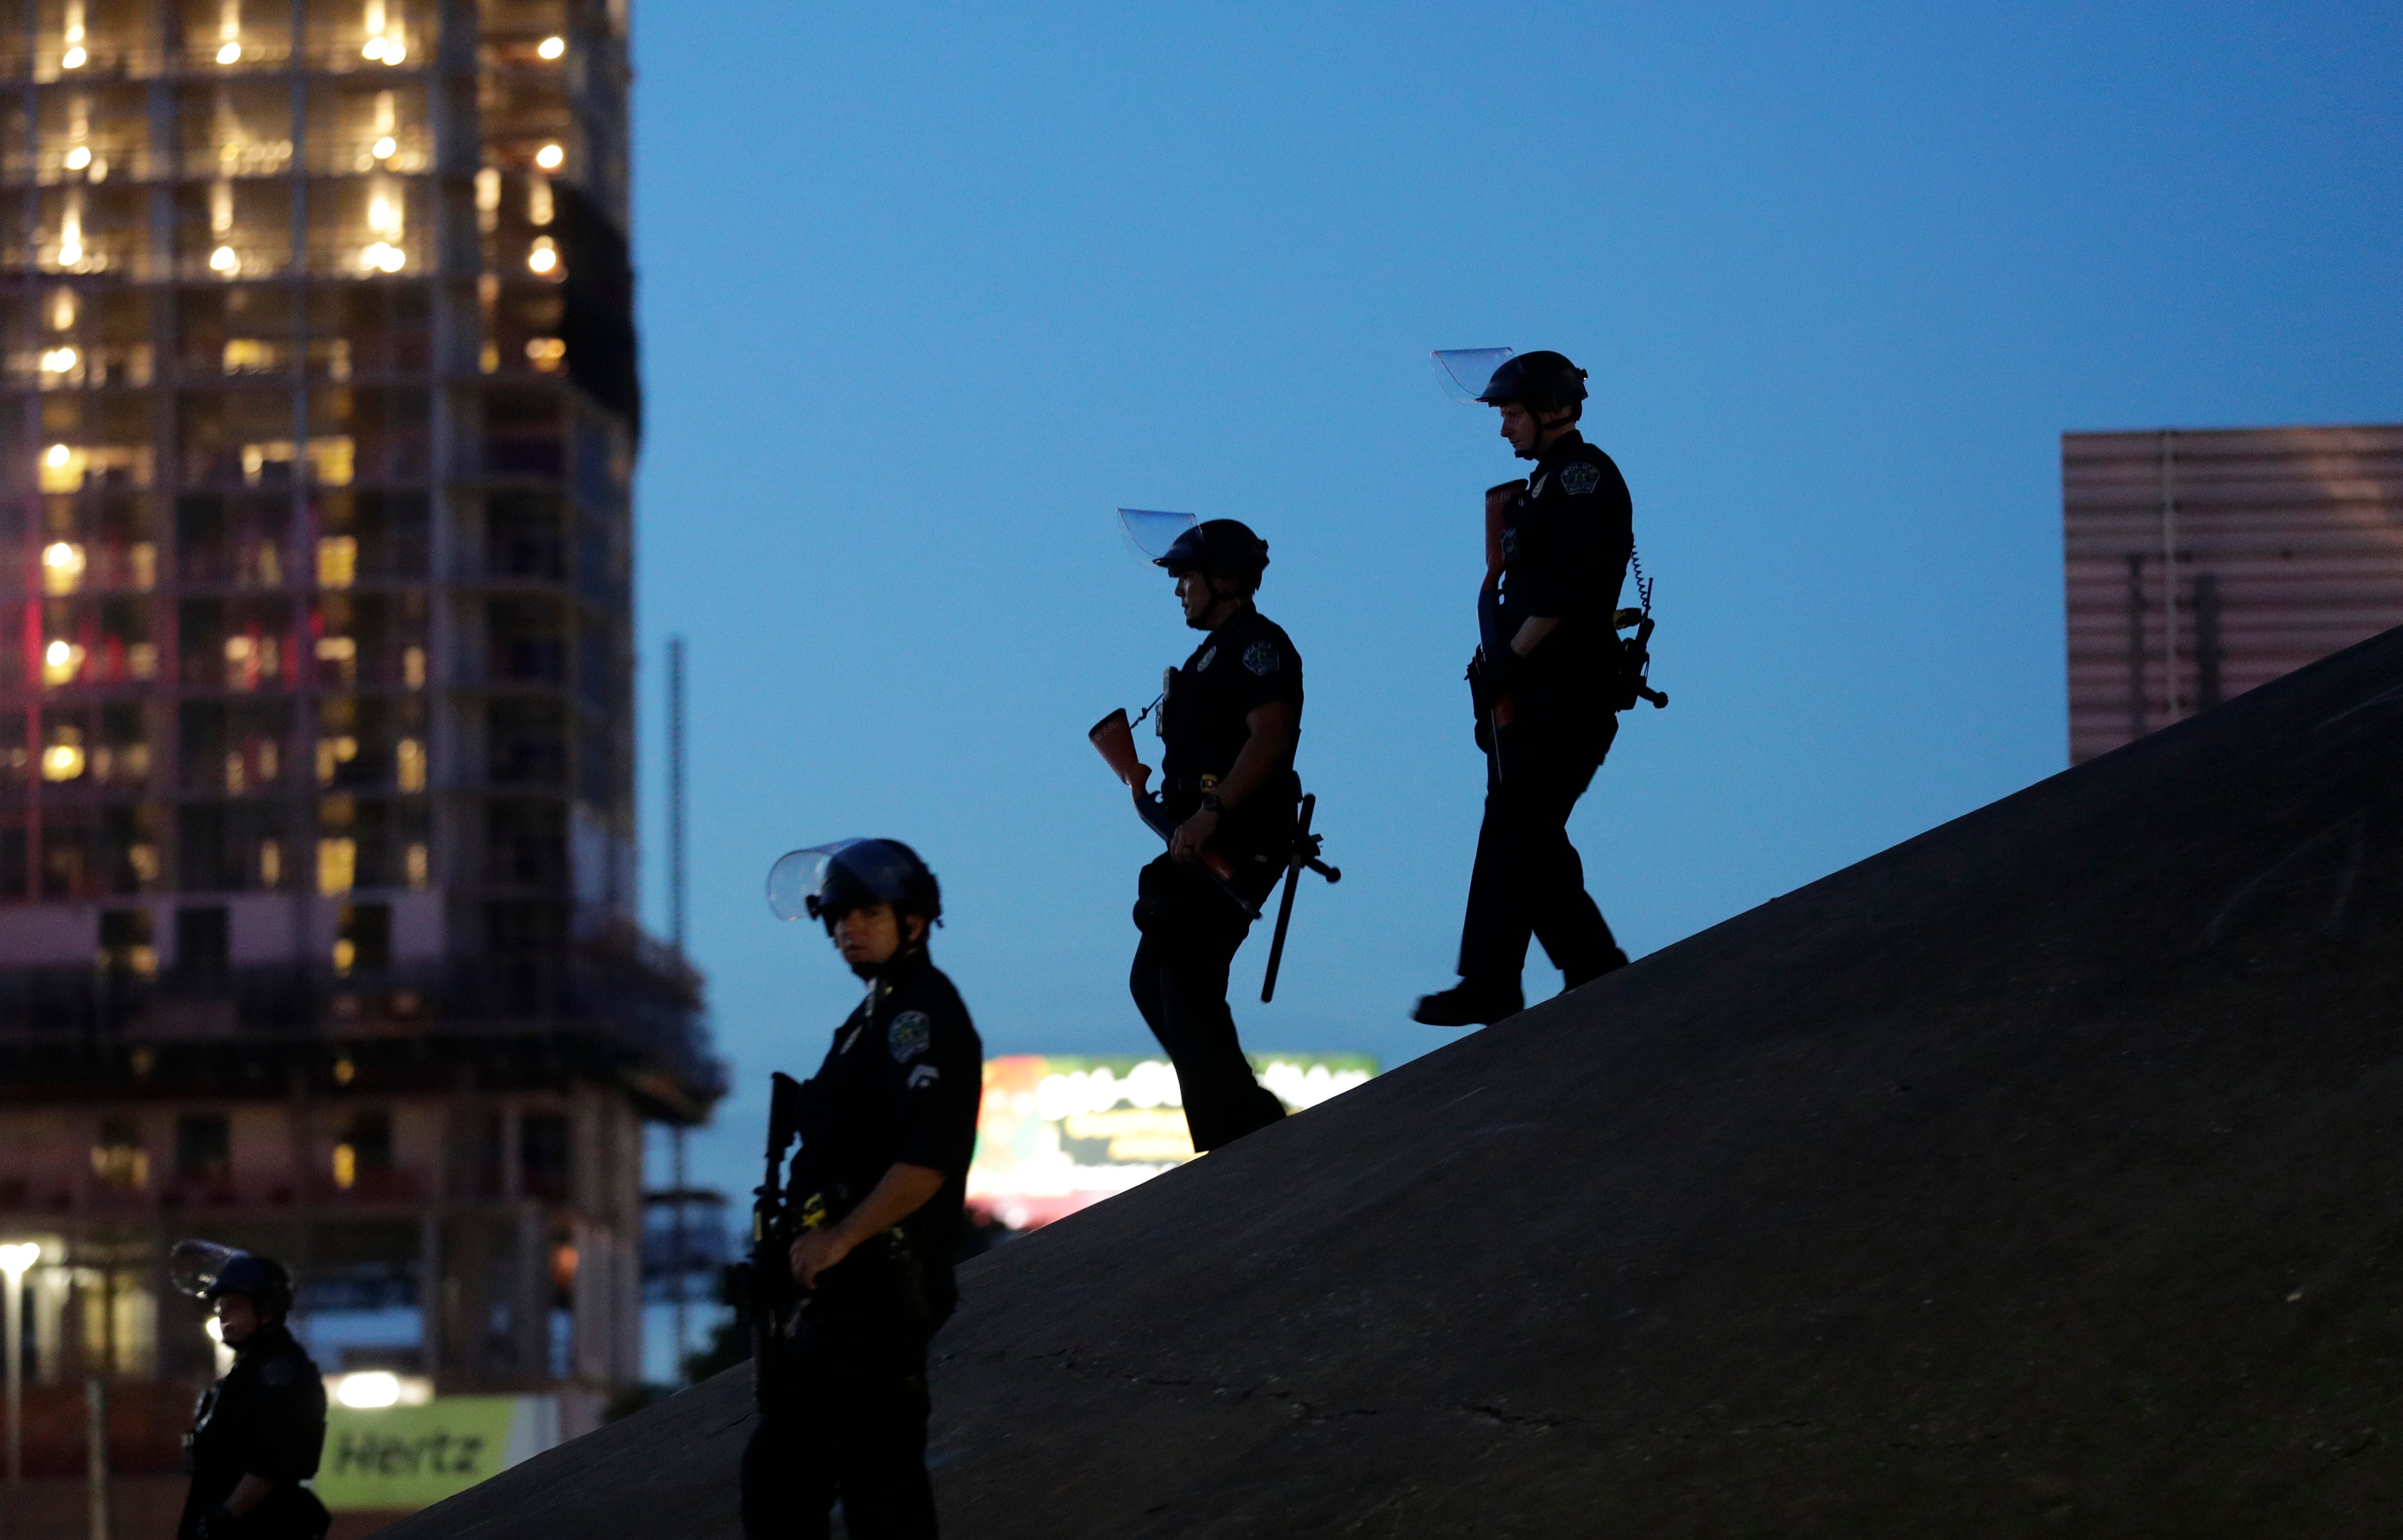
<point>194,1267</point>
<point>1149,533</point>
<point>798,878</point>
<point>1464,372</point>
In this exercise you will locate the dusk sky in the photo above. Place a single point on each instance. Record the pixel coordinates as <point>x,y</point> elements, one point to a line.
<point>925,292</point>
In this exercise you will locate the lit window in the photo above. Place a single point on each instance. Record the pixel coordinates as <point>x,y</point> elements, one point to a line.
<point>230,53</point>
<point>547,353</point>
<point>386,148</point>
<point>338,567</point>
<point>551,158</point>
<point>333,753</point>
<point>394,52</point>
<point>544,258</point>
<point>58,360</point>
<point>346,1160</point>
<point>118,1158</point>
<point>74,58</point>
<point>419,866</point>
<point>412,668</point>
<point>62,468</point>
<point>372,48</point>
<point>384,256</point>
<point>250,355</point>
<point>224,260</point>
<point>63,567</point>
<point>78,157</point>
<point>271,863</point>
<point>63,760</point>
<point>552,48</point>
<point>409,760</point>
<point>338,867</point>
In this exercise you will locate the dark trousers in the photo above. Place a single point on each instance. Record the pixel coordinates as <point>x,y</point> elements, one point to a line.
<point>842,1416</point>
<point>1528,879</point>
<point>1190,934</point>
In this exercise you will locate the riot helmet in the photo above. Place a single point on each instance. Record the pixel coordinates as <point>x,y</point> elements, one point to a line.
<point>826,880</point>
<point>1541,382</point>
<point>206,1271</point>
<point>1217,548</point>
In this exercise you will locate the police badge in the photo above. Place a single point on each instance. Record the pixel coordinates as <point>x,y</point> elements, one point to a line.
<point>910,1035</point>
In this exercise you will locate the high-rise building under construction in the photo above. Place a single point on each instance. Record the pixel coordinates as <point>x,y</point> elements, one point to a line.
<point>317,834</point>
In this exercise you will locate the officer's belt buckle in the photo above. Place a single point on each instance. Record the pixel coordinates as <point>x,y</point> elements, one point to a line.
<point>1209,783</point>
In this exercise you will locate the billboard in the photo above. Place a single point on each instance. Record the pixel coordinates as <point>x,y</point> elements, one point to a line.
<point>1060,1132</point>
<point>402,1458</point>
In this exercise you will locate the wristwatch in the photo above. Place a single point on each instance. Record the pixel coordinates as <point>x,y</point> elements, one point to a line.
<point>1210,802</point>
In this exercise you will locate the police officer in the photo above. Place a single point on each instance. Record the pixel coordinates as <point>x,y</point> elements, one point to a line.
<point>258,1432</point>
<point>1230,720</point>
<point>1547,668</point>
<point>888,1126</point>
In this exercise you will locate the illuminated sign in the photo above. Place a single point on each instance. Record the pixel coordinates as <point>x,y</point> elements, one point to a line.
<point>1058,1132</point>
<point>399,1458</point>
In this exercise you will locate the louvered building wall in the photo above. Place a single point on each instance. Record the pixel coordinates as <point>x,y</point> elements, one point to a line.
<point>2200,565</point>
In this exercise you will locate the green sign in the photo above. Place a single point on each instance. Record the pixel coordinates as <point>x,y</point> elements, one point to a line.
<point>405,1458</point>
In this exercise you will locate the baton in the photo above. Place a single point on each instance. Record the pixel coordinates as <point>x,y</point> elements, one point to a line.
<point>1305,853</point>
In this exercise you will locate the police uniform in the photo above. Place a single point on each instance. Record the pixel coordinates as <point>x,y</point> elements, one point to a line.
<point>1191,930</point>
<point>266,1417</point>
<point>1566,538</point>
<point>843,1413</point>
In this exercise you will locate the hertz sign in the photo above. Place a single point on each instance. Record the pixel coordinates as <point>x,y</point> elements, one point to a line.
<point>396,1459</point>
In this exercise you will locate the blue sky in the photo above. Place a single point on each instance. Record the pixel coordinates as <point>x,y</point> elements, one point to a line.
<point>926,292</point>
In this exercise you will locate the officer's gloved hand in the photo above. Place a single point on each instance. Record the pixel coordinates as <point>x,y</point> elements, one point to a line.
<point>1500,661</point>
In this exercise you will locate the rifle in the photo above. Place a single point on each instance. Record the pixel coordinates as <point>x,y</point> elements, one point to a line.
<point>768,1288</point>
<point>1305,853</point>
<point>1634,660</point>
<point>1113,738</point>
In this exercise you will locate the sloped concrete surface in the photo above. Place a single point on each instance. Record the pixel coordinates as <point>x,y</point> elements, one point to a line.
<point>2043,1174</point>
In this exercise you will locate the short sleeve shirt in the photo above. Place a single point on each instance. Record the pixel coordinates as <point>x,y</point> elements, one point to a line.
<point>1565,545</point>
<point>1239,668</point>
<point>902,1084</point>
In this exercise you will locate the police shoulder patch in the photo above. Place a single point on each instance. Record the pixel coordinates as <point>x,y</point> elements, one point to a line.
<point>1579,478</point>
<point>923,1076</point>
<point>910,1035</point>
<point>275,1372</point>
<point>1263,657</point>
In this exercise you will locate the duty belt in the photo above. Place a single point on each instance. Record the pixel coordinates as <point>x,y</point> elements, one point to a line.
<point>1199,784</point>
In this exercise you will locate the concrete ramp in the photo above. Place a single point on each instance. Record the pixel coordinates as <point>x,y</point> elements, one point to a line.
<point>2041,1174</point>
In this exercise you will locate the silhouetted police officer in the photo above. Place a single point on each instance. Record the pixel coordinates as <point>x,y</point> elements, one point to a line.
<point>888,1126</point>
<point>1230,720</point>
<point>259,1431</point>
<point>1543,680</point>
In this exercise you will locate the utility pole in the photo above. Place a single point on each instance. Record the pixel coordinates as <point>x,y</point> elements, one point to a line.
<point>14,1260</point>
<point>677,1280</point>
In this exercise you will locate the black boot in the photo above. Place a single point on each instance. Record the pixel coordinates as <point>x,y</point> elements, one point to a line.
<point>1469,1004</point>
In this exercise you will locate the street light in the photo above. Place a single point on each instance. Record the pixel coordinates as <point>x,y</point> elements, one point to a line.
<point>14,1260</point>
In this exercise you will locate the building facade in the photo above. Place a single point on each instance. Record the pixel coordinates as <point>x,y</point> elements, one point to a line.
<point>2200,565</point>
<point>317,835</point>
